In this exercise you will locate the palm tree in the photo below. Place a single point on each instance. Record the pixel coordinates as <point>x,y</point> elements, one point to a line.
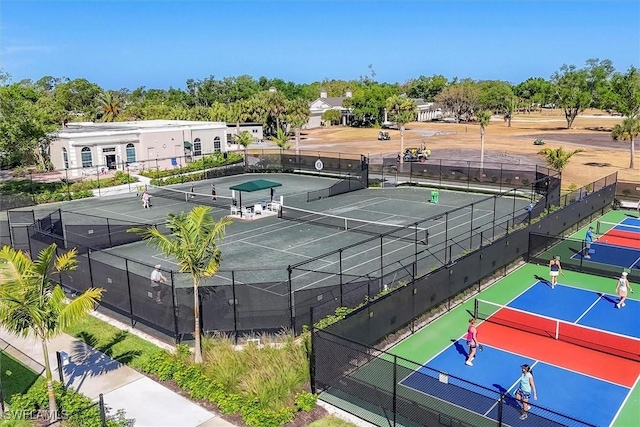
<point>483,117</point>
<point>296,124</point>
<point>109,104</point>
<point>402,110</point>
<point>282,139</point>
<point>628,130</point>
<point>244,139</point>
<point>193,243</point>
<point>557,158</point>
<point>31,303</point>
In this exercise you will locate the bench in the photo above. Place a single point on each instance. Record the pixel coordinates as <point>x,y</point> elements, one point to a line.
<point>629,204</point>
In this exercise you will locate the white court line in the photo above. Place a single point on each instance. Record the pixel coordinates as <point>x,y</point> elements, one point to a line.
<point>635,384</point>
<point>588,309</point>
<point>373,260</point>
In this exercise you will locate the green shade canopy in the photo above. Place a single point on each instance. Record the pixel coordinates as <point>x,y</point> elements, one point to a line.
<point>256,185</point>
<point>187,144</point>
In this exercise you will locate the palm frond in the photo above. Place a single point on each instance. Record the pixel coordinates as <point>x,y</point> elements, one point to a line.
<point>77,308</point>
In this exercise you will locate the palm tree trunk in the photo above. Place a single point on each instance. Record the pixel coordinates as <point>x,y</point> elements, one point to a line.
<point>53,408</point>
<point>401,143</point>
<point>196,314</point>
<point>481,149</point>
<point>632,162</point>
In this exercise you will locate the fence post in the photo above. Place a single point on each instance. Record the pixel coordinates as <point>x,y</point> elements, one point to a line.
<point>235,305</point>
<point>395,387</point>
<point>341,281</point>
<point>312,358</point>
<point>103,413</point>
<point>174,297</point>
<point>500,410</point>
<point>66,180</point>
<point>291,301</point>
<point>126,268</point>
<point>109,233</point>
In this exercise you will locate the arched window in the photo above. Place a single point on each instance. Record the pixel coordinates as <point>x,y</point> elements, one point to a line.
<point>65,158</point>
<point>197,147</point>
<point>216,144</point>
<point>131,153</point>
<point>85,154</point>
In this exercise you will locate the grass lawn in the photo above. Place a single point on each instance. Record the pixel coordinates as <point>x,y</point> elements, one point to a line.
<point>331,422</point>
<point>126,348</point>
<point>16,378</point>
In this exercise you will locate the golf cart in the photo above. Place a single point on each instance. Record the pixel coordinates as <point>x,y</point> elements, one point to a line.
<point>383,136</point>
<point>416,154</point>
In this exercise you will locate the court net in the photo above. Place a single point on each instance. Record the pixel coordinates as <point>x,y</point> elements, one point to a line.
<point>408,233</point>
<point>190,197</point>
<point>625,231</point>
<point>584,336</point>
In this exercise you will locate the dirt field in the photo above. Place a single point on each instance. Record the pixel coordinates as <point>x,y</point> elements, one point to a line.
<point>591,132</point>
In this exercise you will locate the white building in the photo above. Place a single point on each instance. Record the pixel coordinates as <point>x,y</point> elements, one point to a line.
<point>324,103</point>
<point>85,148</point>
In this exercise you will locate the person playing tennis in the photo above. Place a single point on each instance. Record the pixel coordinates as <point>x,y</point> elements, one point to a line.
<point>622,288</point>
<point>472,341</point>
<point>523,393</point>
<point>554,270</point>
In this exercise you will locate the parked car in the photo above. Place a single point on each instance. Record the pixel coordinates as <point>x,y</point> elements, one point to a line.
<point>383,136</point>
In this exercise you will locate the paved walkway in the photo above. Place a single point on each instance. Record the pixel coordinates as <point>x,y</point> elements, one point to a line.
<point>91,372</point>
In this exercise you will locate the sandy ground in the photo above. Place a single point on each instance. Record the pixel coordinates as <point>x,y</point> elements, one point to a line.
<point>591,132</point>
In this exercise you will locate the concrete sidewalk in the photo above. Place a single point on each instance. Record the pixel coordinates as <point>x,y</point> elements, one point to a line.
<point>91,372</point>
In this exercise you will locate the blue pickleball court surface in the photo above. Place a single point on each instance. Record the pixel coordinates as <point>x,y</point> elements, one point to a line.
<point>564,391</point>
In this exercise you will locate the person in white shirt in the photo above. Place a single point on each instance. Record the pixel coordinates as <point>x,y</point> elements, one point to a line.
<point>157,278</point>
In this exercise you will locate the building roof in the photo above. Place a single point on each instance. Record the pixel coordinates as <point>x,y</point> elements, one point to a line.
<point>80,129</point>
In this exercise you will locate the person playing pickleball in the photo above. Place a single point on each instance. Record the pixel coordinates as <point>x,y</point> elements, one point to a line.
<point>622,288</point>
<point>523,393</point>
<point>472,341</point>
<point>554,270</point>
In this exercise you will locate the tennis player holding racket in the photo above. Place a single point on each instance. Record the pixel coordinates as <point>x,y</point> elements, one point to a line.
<point>623,287</point>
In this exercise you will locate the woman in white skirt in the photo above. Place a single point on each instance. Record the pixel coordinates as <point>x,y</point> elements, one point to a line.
<point>623,287</point>
<point>554,270</point>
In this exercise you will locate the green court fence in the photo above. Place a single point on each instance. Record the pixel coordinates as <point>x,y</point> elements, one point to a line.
<point>268,299</point>
<point>340,373</point>
<point>461,174</point>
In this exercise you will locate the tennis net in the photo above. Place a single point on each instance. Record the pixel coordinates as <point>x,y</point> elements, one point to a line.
<point>190,197</point>
<point>625,231</point>
<point>409,233</point>
<point>584,336</point>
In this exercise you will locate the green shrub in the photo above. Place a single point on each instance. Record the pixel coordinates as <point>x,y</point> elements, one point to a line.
<point>78,409</point>
<point>306,401</point>
<point>206,162</point>
<point>538,142</point>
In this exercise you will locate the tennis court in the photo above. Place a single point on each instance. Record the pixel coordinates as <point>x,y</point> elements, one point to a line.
<point>585,355</point>
<point>301,236</point>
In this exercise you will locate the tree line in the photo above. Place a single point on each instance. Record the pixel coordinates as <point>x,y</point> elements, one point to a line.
<point>32,111</point>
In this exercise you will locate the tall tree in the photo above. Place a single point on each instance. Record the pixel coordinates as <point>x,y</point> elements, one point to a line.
<point>244,139</point>
<point>298,114</point>
<point>558,158</point>
<point>577,89</point>
<point>109,105</point>
<point>625,93</point>
<point>483,117</point>
<point>32,304</point>
<point>461,99</point>
<point>193,241</point>
<point>426,88</point>
<point>628,130</point>
<point>282,139</point>
<point>402,111</point>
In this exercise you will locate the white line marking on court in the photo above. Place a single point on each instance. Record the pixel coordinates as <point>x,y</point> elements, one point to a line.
<point>635,384</point>
<point>589,308</point>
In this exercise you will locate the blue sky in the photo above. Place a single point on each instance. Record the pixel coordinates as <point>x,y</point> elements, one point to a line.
<point>159,44</point>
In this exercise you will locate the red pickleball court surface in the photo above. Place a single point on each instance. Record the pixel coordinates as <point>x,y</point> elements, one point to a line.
<point>578,349</point>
